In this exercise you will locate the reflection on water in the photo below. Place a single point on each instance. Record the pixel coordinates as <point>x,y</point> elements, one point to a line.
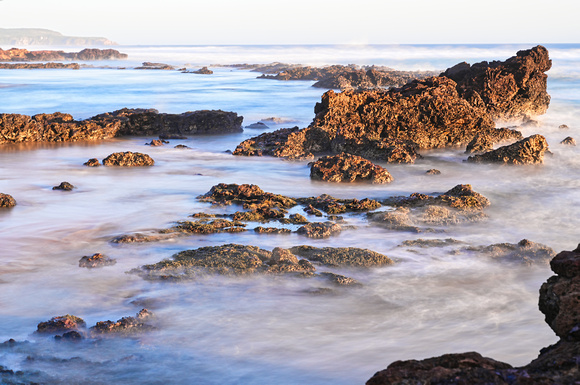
<point>260,329</point>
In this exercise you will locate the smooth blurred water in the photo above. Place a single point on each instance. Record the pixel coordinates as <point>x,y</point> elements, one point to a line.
<point>263,329</point>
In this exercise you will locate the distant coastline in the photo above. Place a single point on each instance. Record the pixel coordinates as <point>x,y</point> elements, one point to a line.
<point>39,36</point>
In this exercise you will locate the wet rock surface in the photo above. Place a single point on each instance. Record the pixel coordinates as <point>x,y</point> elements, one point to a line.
<point>7,201</point>
<point>525,252</point>
<point>125,325</point>
<point>348,168</point>
<point>128,159</point>
<point>64,186</point>
<point>61,324</point>
<point>201,71</point>
<point>30,66</point>
<point>93,162</point>
<point>569,141</point>
<point>96,260</point>
<point>530,150</point>
<point>342,256</point>
<point>320,229</point>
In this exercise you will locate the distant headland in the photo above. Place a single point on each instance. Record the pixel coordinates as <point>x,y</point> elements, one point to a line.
<point>38,36</point>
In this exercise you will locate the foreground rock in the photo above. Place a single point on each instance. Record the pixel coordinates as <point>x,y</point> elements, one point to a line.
<point>556,364</point>
<point>59,127</point>
<point>7,201</point>
<point>530,150</point>
<point>61,324</point>
<point>342,256</point>
<point>96,260</point>
<point>30,66</point>
<point>320,229</point>
<point>88,54</point>
<point>125,325</point>
<point>348,168</point>
<point>128,159</point>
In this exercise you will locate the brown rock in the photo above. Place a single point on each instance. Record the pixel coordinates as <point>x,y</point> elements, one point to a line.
<point>342,256</point>
<point>96,260</point>
<point>271,230</point>
<point>525,251</point>
<point>527,151</point>
<point>433,171</point>
<point>201,71</point>
<point>7,201</point>
<point>65,186</point>
<point>128,159</point>
<point>125,325</point>
<point>61,323</point>
<point>93,162</point>
<point>88,54</point>
<point>484,141</point>
<point>320,229</point>
<point>569,141</point>
<point>348,168</point>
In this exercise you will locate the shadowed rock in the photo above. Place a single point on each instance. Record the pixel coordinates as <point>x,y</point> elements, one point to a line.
<point>569,141</point>
<point>530,150</point>
<point>348,168</point>
<point>93,162</point>
<point>61,324</point>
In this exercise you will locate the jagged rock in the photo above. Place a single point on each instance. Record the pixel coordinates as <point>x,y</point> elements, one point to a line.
<point>525,251</point>
<point>230,259</point>
<point>128,159</point>
<point>65,186</point>
<point>569,141</point>
<point>320,229</point>
<point>156,142</point>
<point>93,162</point>
<point>527,151</point>
<point>69,336</point>
<point>7,201</point>
<point>461,196</point>
<point>96,260</point>
<point>484,142</point>
<point>245,194</point>
<point>342,256</point>
<point>61,324</point>
<point>332,205</point>
<point>205,226</point>
<point>295,219</point>
<point>201,71</point>
<point>126,325</point>
<point>386,150</point>
<point>559,296</point>
<point>348,168</point>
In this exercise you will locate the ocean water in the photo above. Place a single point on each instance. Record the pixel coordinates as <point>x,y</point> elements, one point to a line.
<point>257,330</point>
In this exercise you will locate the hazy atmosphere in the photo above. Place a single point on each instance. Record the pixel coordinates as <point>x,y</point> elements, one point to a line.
<point>176,22</point>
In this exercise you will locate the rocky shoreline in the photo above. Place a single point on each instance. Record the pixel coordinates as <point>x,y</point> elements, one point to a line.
<point>87,54</point>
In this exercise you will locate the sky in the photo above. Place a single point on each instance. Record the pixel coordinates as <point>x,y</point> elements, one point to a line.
<point>194,22</point>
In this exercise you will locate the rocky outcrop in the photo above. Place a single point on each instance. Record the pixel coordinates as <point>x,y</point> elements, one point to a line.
<point>570,141</point>
<point>201,71</point>
<point>524,252</point>
<point>530,150</point>
<point>88,54</point>
<point>29,66</point>
<point>342,256</point>
<point>61,324</point>
<point>155,66</point>
<point>128,159</point>
<point>59,127</point>
<point>513,89</point>
<point>348,168</point>
<point>484,141</point>
<point>64,186</point>
<point>7,201</point>
<point>556,364</point>
<point>96,260</point>
<point>125,325</point>
<point>320,229</point>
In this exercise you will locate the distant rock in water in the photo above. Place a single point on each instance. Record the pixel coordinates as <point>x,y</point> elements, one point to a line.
<point>61,323</point>
<point>87,54</point>
<point>527,151</point>
<point>201,71</point>
<point>525,252</point>
<point>7,201</point>
<point>59,127</point>
<point>569,141</point>
<point>96,260</point>
<point>128,159</point>
<point>348,168</point>
<point>513,89</point>
<point>155,66</point>
<point>64,186</point>
<point>29,66</point>
<point>38,36</point>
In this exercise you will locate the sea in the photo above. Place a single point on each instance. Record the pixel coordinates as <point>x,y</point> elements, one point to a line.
<point>264,329</point>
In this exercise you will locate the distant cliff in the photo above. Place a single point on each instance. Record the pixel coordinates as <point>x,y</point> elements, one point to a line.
<point>34,36</point>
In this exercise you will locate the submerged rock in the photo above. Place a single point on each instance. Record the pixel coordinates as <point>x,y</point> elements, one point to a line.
<point>7,201</point>
<point>569,141</point>
<point>93,162</point>
<point>342,256</point>
<point>258,125</point>
<point>128,159</point>
<point>348,168</point>
<point>61,324</point>
<point>64,186</point>
<point>96,260</point>
<point>339,280</point>
<point>125,325</point>
<point>433,171</point>
<point>530,150</point>
<point>245,194</point>
<point>525,251</point>
<point>320,229</point>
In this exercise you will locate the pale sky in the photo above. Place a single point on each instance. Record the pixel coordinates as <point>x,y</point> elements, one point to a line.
<point>179,22</point>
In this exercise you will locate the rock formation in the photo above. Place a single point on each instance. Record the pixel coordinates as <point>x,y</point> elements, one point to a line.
<point>556,364</point>
<point>530,150</point>
<point>28,66</point>
<point>348,168</point>
<point>96,260</point>
<point>88,54</point>
<point>64,186</point>
<point>128,159</point>
<point>570,141</point>
<point>59,127</point>
<point>7,201</point>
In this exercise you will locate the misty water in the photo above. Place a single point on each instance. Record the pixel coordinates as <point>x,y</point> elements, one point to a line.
<point>256,330</point>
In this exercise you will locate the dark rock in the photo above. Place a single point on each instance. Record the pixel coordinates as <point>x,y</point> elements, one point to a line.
<point>339,280</point>
<point>563,127</point>
<point>433,171</point>
<point>96,260</point>
<point>93,162</point>
<point>156,142</point>
<point>484,141</point>
<point>181,146</point>
<point>348,168</point>
<point>569,141</point>
<point>228,259</point>
<point>201,71</point>
<point>61,324</point>
<point>245,194</point>
<point>271,230</point>
<point>295,219</point>
<point>128,159</point>
<point>126,325</point>
<point>342,256</point>
<point>7,201</point>
<point>258,125</point>
<point>333,205</point>
<point>205,226</point>
<point>88,54</point>
<point>513,89</point>
<point>65,186</point>
<point>527,151</point>
<point>70,336</point>
<point>430,242</point>
<point>155,66</point>
<point>320,229</point>
<point>525,251</point>
<point>29,66</point>
<point>312,210</point>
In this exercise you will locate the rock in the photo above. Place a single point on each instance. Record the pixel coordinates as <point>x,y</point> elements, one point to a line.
<point>126,325</point>
<point>7,201</point>
<point>258,125</point>
<point>339,280</point>
<point>513,89</point>
<point>527,151</point>
<point>61,324</point>
<point>348,168</point>
<point>88,54</point>
<point>64,186</point>
<point>563,127</point>
<point>155,66</point>
<point>385,150</point>
<point>271,230</point>
<point>525,251</point>
<point>484,141</point>
<point>230,259</point>
<point>201,71</point>
<point>69,336</point>
<point>433,171</point>
<point>461,197</point>
<point>332,205</point>
<point>569,141</point>
<point>295,219</point>
<point>342,256</point>
<point>205,226</point>
<point>96,260</point>
<point>245,194</point>
<point>128,159</point>
<point>430,242</point>
<point>30,66</point>
<point>156,142</point>
<point>93,162</point>
<point>320,229</point>
<point>181,146</point>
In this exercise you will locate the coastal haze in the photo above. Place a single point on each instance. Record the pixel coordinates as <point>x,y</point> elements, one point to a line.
<point>264,329</point>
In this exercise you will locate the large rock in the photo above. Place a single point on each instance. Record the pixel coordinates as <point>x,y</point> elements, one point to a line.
<point>342,256</point>
<point>530,150</point>
<point>88,54</point>
<point>348,168</point>
<point>513,89</point>
<point>128,159</point>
